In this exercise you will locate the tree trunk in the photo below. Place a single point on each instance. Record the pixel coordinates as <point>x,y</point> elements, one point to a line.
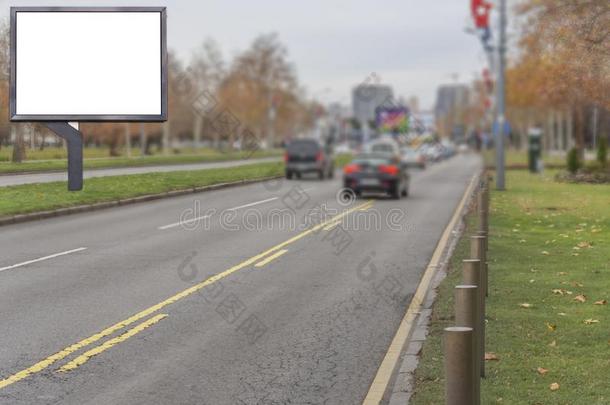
<point>165,141</point>
<point>562,130</point>
<point>197,124</point>
<point>216,137</point>
<point>32,134</point>
<point>579,132</point>
<point>143,141</point>
<point>570,129</point>
<point>18,145</point>
<point>114,143</point>
<point>128,140</point>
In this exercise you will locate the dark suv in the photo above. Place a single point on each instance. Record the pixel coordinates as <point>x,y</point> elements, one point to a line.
<point>309,156</point>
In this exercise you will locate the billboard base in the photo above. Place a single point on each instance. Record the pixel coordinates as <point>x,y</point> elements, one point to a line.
<point>74,139</point>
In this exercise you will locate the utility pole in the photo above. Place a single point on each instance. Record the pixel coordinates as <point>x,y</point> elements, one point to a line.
<point>500,102</point>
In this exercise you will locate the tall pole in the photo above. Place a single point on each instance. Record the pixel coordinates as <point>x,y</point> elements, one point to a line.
<point>501,113</point>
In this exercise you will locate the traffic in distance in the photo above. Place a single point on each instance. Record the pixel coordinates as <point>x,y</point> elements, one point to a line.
<point>380,166</point>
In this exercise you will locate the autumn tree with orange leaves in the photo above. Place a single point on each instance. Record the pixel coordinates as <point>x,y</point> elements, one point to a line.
<point>564,59</point>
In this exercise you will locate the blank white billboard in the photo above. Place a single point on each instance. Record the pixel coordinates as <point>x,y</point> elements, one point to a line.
<point>88,64</point>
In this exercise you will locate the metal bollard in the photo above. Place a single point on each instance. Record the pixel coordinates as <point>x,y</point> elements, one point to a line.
<point>467,314</point>
<point>477,251</point>
<point>485,263</point>
<point>483,210</point>
<point>471,275</point>
<point>459,366</point>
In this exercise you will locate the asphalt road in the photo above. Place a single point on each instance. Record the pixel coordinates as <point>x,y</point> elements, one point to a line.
<point>117,299</point>
<point>16,179</point>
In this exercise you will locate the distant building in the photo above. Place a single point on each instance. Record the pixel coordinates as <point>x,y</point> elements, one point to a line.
<point>367,97</point>
<point>451,107</point>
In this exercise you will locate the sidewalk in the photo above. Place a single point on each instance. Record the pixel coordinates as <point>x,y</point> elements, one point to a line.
<point>17,179</point>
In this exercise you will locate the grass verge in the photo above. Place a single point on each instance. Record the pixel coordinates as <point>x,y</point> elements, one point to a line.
<point>549,249</point>
<point>90,162</point>
<point>29,198</point>
<point>519,159</point>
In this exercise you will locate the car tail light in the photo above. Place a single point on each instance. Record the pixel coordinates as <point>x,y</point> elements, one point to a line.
<point>349,169</point>
<point>319,156</point>
<point>388,169</point>
<point>286,157</point>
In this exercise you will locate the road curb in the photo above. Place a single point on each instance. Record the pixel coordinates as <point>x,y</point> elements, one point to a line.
<point>393,382</point>
<point>34,216</point>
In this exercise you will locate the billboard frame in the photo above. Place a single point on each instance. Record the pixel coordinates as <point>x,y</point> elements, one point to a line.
<point>14,117</point>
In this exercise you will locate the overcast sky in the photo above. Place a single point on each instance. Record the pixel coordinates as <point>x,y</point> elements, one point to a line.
<point>413,45</point>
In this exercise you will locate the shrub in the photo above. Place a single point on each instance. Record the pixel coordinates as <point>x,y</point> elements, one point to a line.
<point>602,152</point>
<point>573,161</point>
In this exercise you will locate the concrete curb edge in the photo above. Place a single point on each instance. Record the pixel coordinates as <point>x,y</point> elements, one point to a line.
<point>403,385</point>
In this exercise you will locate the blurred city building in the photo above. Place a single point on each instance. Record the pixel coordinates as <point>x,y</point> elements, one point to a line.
<point>452,102</point>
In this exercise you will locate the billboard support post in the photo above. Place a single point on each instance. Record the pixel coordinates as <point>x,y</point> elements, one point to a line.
<point>74,139</point>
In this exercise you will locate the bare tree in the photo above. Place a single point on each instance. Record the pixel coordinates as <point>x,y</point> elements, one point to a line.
<point>207,70</point>
<point>260,83</point>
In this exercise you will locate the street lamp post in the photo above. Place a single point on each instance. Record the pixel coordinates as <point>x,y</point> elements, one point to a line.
<point>500,102</point>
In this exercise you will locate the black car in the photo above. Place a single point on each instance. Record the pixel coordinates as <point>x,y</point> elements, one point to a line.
<point>377,172</point>
<point>309,156</point>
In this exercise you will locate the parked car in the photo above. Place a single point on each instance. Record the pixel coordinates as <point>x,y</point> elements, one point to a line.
<point>309,156</point>
<point>431,151</point>
<point>377,172</point>
<point>413,158</point>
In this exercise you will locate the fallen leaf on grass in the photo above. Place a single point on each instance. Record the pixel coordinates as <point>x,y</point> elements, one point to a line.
<point>580,298</point>
<point>561,291</point>
<point>602,302</point>
<point>590,321</point>
<point>553,343</point>
<point>584,245</point>
<point>551,326</point>
<point>525,305</point>
<point>542,370</point>
<point>554,387</point>
<point>544,252</point>
<point>489,356</point>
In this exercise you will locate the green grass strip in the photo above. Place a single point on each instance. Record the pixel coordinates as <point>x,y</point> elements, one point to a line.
<point>29,198</point>
<point>550,243</point>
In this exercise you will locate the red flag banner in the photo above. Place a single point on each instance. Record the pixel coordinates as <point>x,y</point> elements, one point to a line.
<point>480,10</point>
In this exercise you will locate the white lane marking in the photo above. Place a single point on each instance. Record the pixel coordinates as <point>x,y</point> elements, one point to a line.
<point>175,224</point>
<point>189,221</point>
<point>67,252</point>
<point>253,204</point>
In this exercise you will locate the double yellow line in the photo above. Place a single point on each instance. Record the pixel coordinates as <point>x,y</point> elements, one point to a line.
<point>45,363</point>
